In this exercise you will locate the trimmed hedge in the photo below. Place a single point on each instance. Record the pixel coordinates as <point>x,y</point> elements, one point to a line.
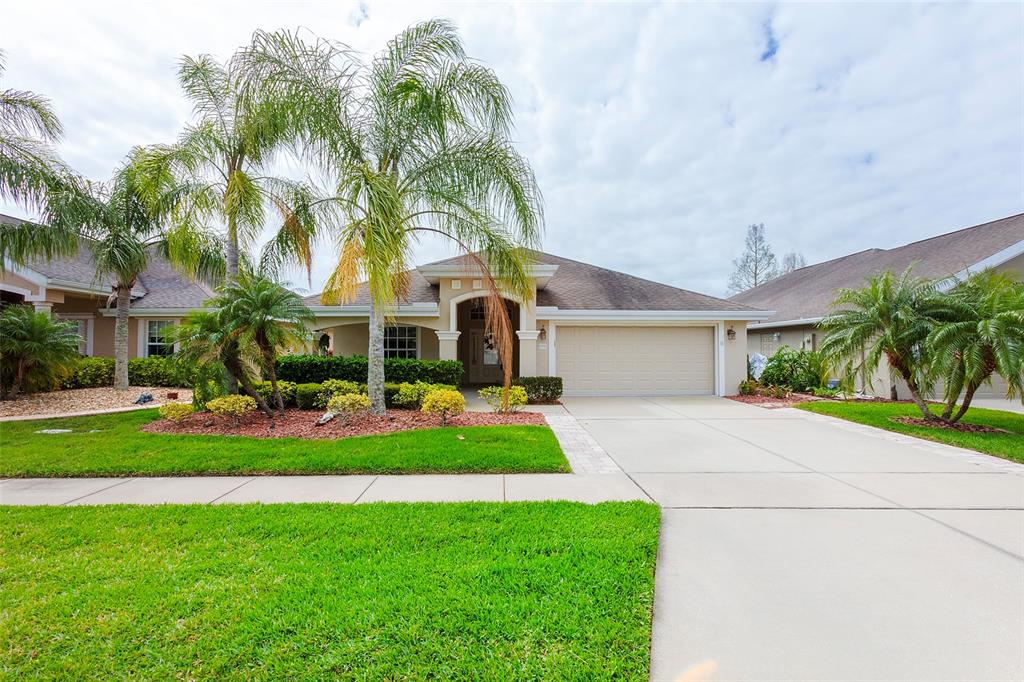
<point>541,389</point>
<point>157,371</point>
<point>309,396</point>
<point>304,369</point>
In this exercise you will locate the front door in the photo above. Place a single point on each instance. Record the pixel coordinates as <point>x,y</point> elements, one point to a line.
<point>484,367</point>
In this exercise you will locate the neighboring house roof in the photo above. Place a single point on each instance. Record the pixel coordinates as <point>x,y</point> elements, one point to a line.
<point>807,293</point>
<point>577,286</point>
<point>158,287</point>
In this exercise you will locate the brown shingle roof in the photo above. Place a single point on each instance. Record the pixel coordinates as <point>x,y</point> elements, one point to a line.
<point>580,286</point>
<point>808,292</point>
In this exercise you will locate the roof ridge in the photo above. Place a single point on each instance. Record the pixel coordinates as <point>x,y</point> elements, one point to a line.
<point>957,231</point>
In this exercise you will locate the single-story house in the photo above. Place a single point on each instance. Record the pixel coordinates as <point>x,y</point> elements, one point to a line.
<point>604,332</point>
<point>803,297</point>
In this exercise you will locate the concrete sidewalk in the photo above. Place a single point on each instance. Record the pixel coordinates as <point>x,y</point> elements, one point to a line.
<point>591,488</point>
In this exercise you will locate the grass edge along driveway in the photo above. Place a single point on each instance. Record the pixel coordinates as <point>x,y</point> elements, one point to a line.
<point>488,591</point>
<point>113,445</point>
<point>1008,445</point>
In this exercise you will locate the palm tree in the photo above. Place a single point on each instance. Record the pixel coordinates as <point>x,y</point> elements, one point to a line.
<point>203,339</point>
<point>263,315</point>
<point>419,144</point>
<point>890,317</point>
<point>34,350</point>
<point>122,224</point>
<point>222,162</point>
<point>984,335</point>
<point>28,130</point>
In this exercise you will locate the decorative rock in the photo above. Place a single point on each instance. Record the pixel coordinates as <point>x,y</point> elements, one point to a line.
<point>144,398</point>
<point>324,418</point>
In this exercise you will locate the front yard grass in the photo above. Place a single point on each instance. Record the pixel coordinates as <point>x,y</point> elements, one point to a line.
<point>118,448</point>
<point>1008,445</point>
<point>482,591</point>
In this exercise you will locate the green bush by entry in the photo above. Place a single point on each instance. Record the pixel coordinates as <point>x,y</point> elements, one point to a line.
<point>155,371</point>
<point>319,368</point>
<point>541,389</point>
<point>494,395</point>
<point>798,370</point>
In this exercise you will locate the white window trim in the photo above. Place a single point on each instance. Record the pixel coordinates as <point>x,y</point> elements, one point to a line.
<point>88,318</point>
<point>419,345</point>
<point>143,340</point>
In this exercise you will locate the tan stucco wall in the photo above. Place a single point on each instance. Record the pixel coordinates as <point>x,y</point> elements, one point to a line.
<point>735,353</point>
<point>20,283</point>
<point>1014,266</point>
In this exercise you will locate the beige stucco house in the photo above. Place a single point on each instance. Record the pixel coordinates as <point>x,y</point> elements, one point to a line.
<point>803,297</point>
<point>604,332</point>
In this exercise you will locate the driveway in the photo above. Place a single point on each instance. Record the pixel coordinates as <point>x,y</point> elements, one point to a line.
<point>796,547</point>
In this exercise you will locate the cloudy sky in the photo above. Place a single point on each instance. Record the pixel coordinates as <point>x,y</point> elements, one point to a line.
<point>658,131</point>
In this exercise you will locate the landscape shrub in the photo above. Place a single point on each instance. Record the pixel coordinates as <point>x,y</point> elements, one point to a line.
<point>798,370</point>
<point>825,392</point>
<point>90,373</point>
<point>541,389</point>
<point>266,391</point>
<point>492,395</point>
<point>445,404</point>
<point>411,395</point>
<point>232,406</point>
<point>319,368</point>
<point>176,412</point>
<point>348,405</point>
<point>307,396</point>
<point>748,387</point>
<point>156,372</point>
<point>333,387</point>
<point>207,384</point>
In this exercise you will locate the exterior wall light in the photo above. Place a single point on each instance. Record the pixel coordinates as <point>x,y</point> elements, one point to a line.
<point>543,333</point>
<point>731,334</point>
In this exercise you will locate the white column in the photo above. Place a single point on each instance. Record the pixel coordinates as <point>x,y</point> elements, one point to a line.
<point>528,352</point>
<point>447,345</point>
<point>43,307</point>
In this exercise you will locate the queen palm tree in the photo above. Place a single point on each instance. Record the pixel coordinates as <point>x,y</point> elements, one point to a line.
<point>34,349</point>
<point>28,130</point>
<point>891,317</point>
<point>983,336</point>
<point>121,223</point>
<point>261,314</point>
<point>418,143</point>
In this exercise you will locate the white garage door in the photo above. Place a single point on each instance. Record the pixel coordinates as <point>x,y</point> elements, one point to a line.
<point>636,360</point>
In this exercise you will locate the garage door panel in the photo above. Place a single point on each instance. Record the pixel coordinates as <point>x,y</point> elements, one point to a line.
<point>638,360</point>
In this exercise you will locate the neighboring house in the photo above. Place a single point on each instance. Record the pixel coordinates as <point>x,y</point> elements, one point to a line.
<point>604,332</point>
<point>68,289</point>
<point>803,297</point>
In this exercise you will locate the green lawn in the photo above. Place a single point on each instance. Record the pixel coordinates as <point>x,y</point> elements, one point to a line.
<point>1007,445</point>
<point>118,448</point>
<point>385,591</point>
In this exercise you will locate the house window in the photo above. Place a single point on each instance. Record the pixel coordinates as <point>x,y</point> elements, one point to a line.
<point>769,344</point>
<point>400,342</point>
<point>83,336</point>
<point>478,312</point>
<point>156,344</point>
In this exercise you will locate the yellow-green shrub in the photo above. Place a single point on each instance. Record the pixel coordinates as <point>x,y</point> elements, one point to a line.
<point>176,412</point>
<point>492,395</point>
<point>411,395</point>
<point>231,406</point>
<point>333,387</point>
<point>348,405</point>
<point>444,403</point>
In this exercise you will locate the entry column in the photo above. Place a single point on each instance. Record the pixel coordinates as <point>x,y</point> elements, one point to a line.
<point>447,345</point>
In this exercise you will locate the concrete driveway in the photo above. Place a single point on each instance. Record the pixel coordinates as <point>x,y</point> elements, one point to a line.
<point>796,547</point>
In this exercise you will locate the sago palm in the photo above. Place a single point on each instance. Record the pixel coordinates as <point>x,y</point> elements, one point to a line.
<point>889,317</point>
<point>984,335</point>
<point>223,160</point>
<point>122,224</point>
<point>418,144</point>
<point>34,350</point>
<point>261,314</point>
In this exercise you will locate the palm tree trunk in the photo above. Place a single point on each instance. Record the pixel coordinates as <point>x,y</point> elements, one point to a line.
<point>242,378</point>
<point>375,362</point>
<point>231,256</point>
<point>268,360</point>
<point>124,299</point>
<point>19,376</point>
<point>915,392</point>
<point>966,404</point>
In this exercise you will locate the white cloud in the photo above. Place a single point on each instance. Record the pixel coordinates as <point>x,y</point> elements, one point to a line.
<point>656,131</point>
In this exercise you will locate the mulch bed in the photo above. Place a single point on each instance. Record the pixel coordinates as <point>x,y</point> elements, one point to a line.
<point>302,424</point>
<point>771,402</point>
<point>958,426</point>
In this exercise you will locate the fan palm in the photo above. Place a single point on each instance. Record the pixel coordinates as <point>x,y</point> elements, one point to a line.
<point>984,335</point>
<point>28,129</point>
<point>261,314</point>
<point>122,224</point>
<point>34,350</point>
<point>890,317</point>
<point>419,144</point>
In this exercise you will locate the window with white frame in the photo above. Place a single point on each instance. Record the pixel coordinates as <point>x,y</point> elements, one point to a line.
<point>769,343</point>
<point>400,342</point>
<point>156,342</point>
<point>83,336</point>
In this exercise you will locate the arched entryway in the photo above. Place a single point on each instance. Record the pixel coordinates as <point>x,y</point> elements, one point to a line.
<point>476,348</point>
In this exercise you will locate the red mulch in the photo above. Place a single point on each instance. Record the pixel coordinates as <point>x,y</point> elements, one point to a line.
<point>958,426</point>
<point>302,424</point>
<point>772,403</point>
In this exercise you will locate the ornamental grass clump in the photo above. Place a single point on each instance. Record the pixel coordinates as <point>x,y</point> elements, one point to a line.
<point>348,405</point>
<point>235,406</point>
<point>444,403</point>
<point>176,412</point>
